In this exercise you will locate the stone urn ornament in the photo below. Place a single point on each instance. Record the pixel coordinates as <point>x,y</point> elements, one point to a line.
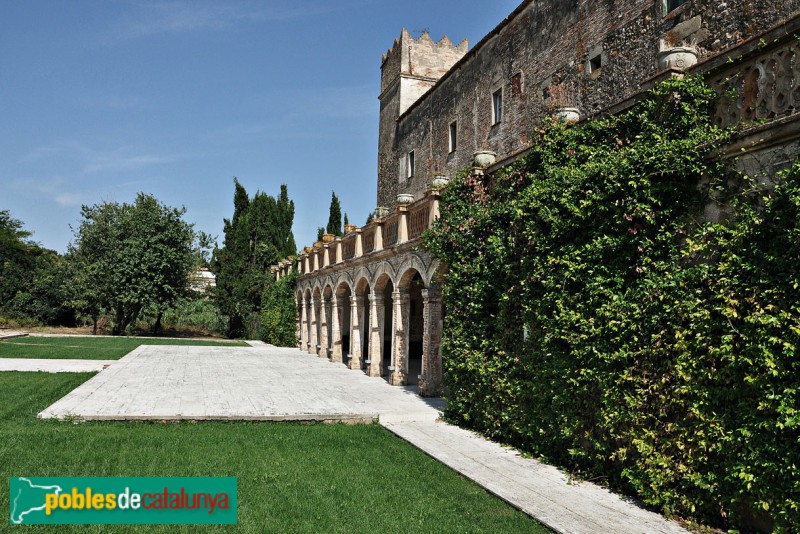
<point>381,212</point>
<point>404,199</point>
<point>328,238</point>
<point>350,228</point>
<point>484,158</point>
<point>677,57</point>
<point>440,182</point>
<point>568,115</point>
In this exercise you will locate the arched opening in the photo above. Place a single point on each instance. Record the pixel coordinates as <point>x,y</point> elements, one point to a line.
<point>307,308</point>
<point>415,330</point>
<point>316,300</point>
<point>301,332</point>
<point>341,343</point>
<point>381,327</point>
<point>326,323</point>
<point>359,326</point>
<point>409,334</point>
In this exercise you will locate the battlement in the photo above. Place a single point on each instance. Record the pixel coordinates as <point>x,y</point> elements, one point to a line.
<point>421,57</point>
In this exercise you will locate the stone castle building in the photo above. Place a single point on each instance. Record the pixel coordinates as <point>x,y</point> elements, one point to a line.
<point>372,299</point>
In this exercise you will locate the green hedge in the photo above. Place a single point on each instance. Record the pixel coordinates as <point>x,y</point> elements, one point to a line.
<point>596,319</point>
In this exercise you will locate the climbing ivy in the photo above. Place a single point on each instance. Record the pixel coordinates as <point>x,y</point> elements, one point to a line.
<point>597,319</point>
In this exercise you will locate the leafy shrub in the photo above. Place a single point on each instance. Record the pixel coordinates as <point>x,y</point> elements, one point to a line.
<point>596,319</point>
<point>200,314</point>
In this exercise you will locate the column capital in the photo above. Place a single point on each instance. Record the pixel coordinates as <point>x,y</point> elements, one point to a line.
<point>400,292</point>
<point>432,294</point>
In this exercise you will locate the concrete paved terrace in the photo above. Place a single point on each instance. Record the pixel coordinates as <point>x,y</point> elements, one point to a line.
<point>237,383</point>
<point>268,383</point>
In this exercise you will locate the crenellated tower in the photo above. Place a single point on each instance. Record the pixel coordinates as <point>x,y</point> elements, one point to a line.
<point>408,70</point>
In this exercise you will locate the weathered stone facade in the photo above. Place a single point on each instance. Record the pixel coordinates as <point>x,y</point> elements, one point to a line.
<point>372,299</point>
<point>585,54</point>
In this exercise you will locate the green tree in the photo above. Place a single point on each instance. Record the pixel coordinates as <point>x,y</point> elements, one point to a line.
<point>334,216</point>
<point>32,279</point>
<point>257,236</point>
<point>134,256</point>
<point>279,312</point>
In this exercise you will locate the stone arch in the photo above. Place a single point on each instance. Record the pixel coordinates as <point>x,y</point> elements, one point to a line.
<point>409,333</point>
<point>341,320</point>
<point>410,267</point>
<point>383,272</point>
<point>381,320</point>
<point>362,283</point>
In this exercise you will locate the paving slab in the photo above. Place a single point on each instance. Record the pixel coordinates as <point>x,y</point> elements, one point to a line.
<point>53,365</point>
<point>237,383</point>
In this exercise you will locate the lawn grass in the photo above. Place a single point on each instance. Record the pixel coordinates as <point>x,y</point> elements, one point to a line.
<point>291,477</point>
<point>90,348</point>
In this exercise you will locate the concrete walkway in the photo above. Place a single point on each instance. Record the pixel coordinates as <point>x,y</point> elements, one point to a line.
<point>11,334</point>
<point>267,383</point>
<point>53,366</point>
<point>538,489</point>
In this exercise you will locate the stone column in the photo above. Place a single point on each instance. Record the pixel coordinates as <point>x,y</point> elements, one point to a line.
<point>355,333</point>
<point>312,338</point>
<point>315,267</point>
<point>336,330</point>
<point>430,383</point>
<point>339,256</point>
<point>401,319</point>
<point>359,250</point>
<point>402,224</point>
<point>378,235</point>
<point>304,324</point>
<point>306,264</point>
<point>376,319</point>
<point>322,351</point>
<point>326,255</point>
<point>298,333</point>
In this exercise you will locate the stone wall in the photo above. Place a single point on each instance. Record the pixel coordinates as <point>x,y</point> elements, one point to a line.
<point>590,54</point>
<point>409,70</point>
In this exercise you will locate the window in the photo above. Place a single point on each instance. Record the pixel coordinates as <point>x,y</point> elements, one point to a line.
<point>453,136</point>
<point>669,5</point>
<point>497,106</point>
<point>596,64</point>
<point>410,165</point>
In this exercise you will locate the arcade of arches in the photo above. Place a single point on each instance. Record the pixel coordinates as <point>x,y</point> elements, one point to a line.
<point>383,318</point>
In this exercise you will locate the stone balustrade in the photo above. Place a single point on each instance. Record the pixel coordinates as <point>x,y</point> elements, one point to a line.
<point>403,225</point>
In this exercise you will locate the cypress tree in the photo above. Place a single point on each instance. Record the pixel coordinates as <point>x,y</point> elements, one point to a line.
<point>258,235</point>
<point>335,217</point>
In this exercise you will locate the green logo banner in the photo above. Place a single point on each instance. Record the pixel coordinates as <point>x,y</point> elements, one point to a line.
<point>123,501</point>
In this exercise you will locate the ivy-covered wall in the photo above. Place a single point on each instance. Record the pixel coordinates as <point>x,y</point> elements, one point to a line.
<point>595,319</point>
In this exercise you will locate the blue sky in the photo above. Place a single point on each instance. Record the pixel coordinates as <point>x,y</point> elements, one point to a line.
<point>103,99</point>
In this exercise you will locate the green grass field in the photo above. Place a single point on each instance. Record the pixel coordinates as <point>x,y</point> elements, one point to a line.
<point>291,477</point>
<point>89,348</point>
